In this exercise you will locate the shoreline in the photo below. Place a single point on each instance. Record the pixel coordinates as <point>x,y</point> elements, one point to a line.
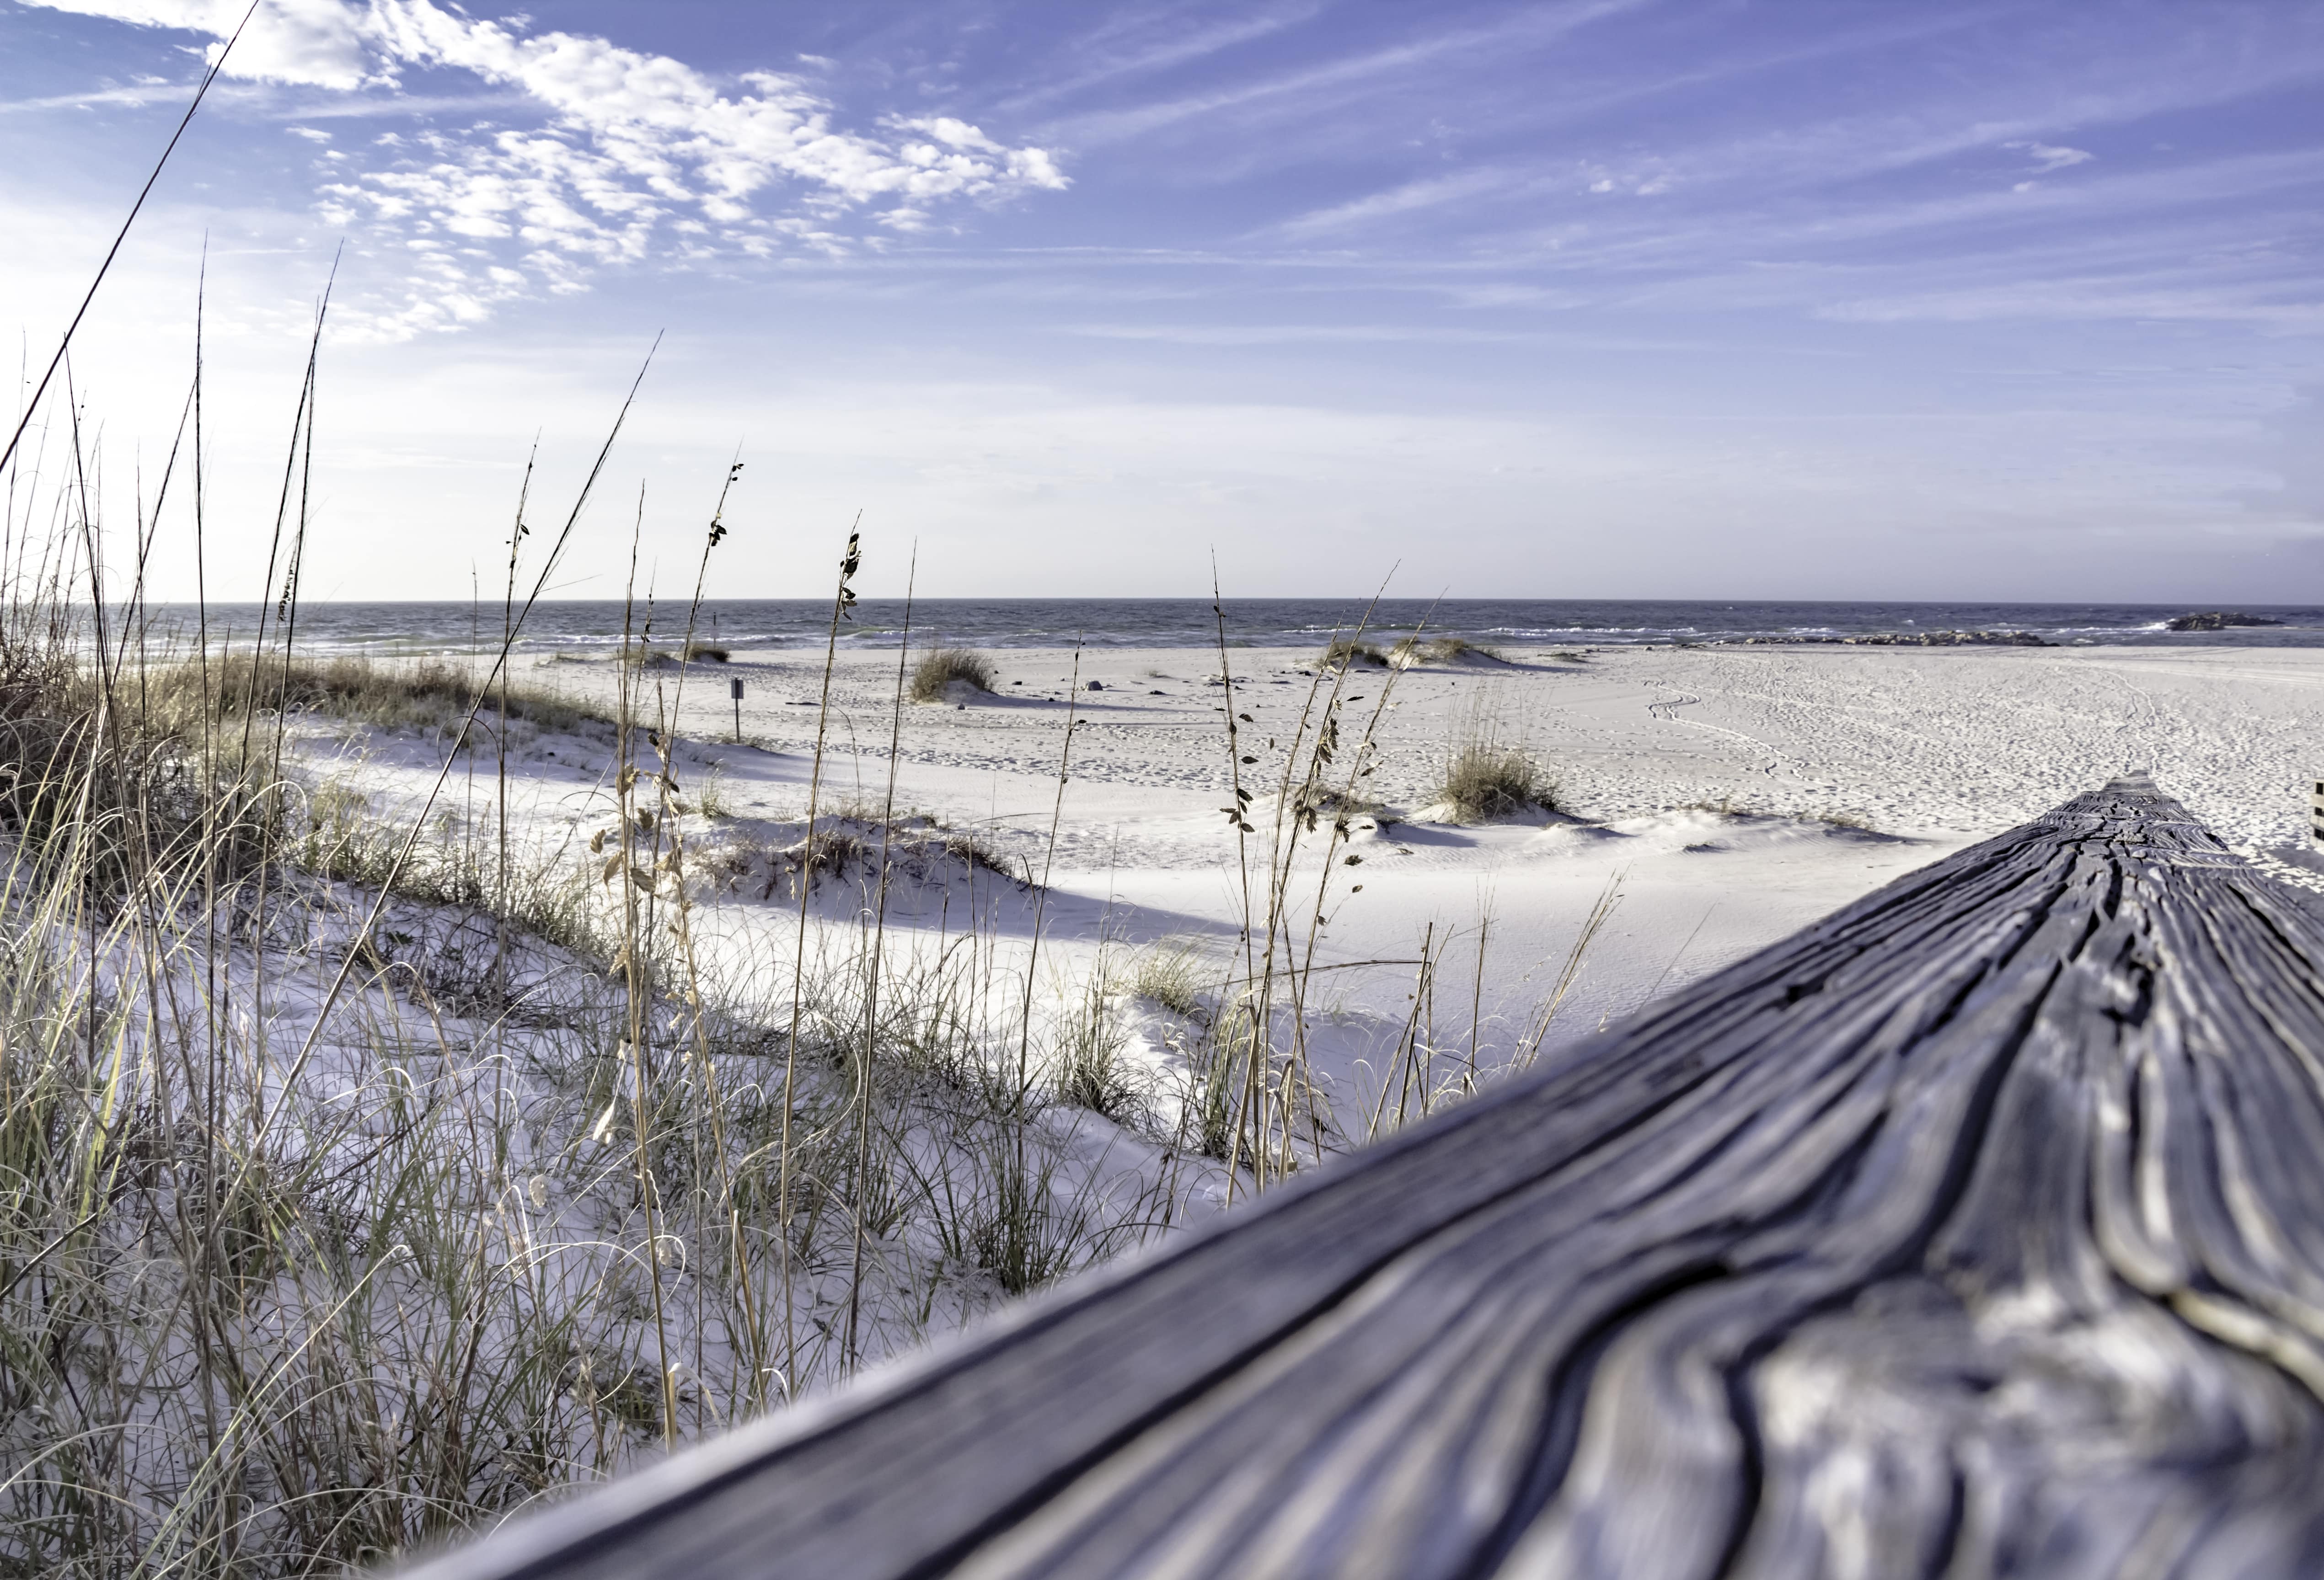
<point>597,625</point>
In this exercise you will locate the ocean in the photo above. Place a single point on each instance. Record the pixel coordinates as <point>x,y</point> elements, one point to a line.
<point>1190,622</point>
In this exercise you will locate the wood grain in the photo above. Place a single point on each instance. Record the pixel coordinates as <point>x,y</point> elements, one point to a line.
<point>1977,1230</point>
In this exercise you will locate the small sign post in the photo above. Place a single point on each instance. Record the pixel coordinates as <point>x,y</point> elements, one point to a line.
<point>734,688</point>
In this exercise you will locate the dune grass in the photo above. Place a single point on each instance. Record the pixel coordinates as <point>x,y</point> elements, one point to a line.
<point>1484,781</point>
<point>368,1173</point>
<point>1344,652</point>
<point>1174,977</point>
<point>427,693</point>
<point>1409,651</point>
<point>292,1280</point>
<point>940,668</point>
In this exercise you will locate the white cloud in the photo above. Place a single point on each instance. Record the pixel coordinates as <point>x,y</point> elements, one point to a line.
<point>1652,181</point>
<point>321,42</point>
<point>642,156</point>
<point>2048,157</point>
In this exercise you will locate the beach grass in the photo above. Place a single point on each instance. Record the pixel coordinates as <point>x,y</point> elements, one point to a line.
<point>373,1169</point>
<point>424,693</point>
<point>1173,976</point>
<point>1409,651</point>
<point>939,669</point>
<point>369,1174</point>
<point>1484,781</point>
<point>1344,652</point>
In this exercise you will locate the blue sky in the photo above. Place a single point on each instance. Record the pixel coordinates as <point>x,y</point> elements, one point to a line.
<point>1605,298</point>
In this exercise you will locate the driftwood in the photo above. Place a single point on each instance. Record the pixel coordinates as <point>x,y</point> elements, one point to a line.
<point>1976,1230</point>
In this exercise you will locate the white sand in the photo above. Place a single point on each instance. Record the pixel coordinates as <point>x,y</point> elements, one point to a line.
<point>1931,748</point>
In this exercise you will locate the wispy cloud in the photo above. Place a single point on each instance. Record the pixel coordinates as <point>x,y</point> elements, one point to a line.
<point>640,155</point>
<point>1411,196</point>
<point>2089,297</point>
<point>1371,335</point>
<point>1533,25</point>
<point>1289,334</point>
<point>1146,43</point>
<point>142,94</point>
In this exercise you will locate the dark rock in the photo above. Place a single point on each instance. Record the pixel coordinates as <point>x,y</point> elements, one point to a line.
<point>2217,620</point>
<point>1950,640</point>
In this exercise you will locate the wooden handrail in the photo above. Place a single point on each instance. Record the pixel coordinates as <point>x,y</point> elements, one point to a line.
<point>1977,1229</point>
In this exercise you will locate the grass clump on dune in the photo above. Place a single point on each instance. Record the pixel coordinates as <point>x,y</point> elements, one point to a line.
<point>1344,651</point>
<point>645,656</point>
<point>1413,650</point>
<point>1173,976</point>
<point>1484,781</point>
<point>935,673</point>
<point>427,695</point>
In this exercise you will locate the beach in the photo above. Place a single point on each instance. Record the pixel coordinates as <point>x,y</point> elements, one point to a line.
<point>1709,801</point>
<point>731,1104</point>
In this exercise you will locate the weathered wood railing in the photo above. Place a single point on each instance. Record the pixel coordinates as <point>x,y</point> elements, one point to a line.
<point>1976,1230</point>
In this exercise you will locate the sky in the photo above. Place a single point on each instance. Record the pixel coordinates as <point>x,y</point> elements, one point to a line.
<point>1697,299</point>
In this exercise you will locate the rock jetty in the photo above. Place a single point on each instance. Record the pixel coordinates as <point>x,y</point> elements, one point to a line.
<point>2217,619</point>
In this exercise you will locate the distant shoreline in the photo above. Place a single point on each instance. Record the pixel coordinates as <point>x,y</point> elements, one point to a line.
<point>582,625</point>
